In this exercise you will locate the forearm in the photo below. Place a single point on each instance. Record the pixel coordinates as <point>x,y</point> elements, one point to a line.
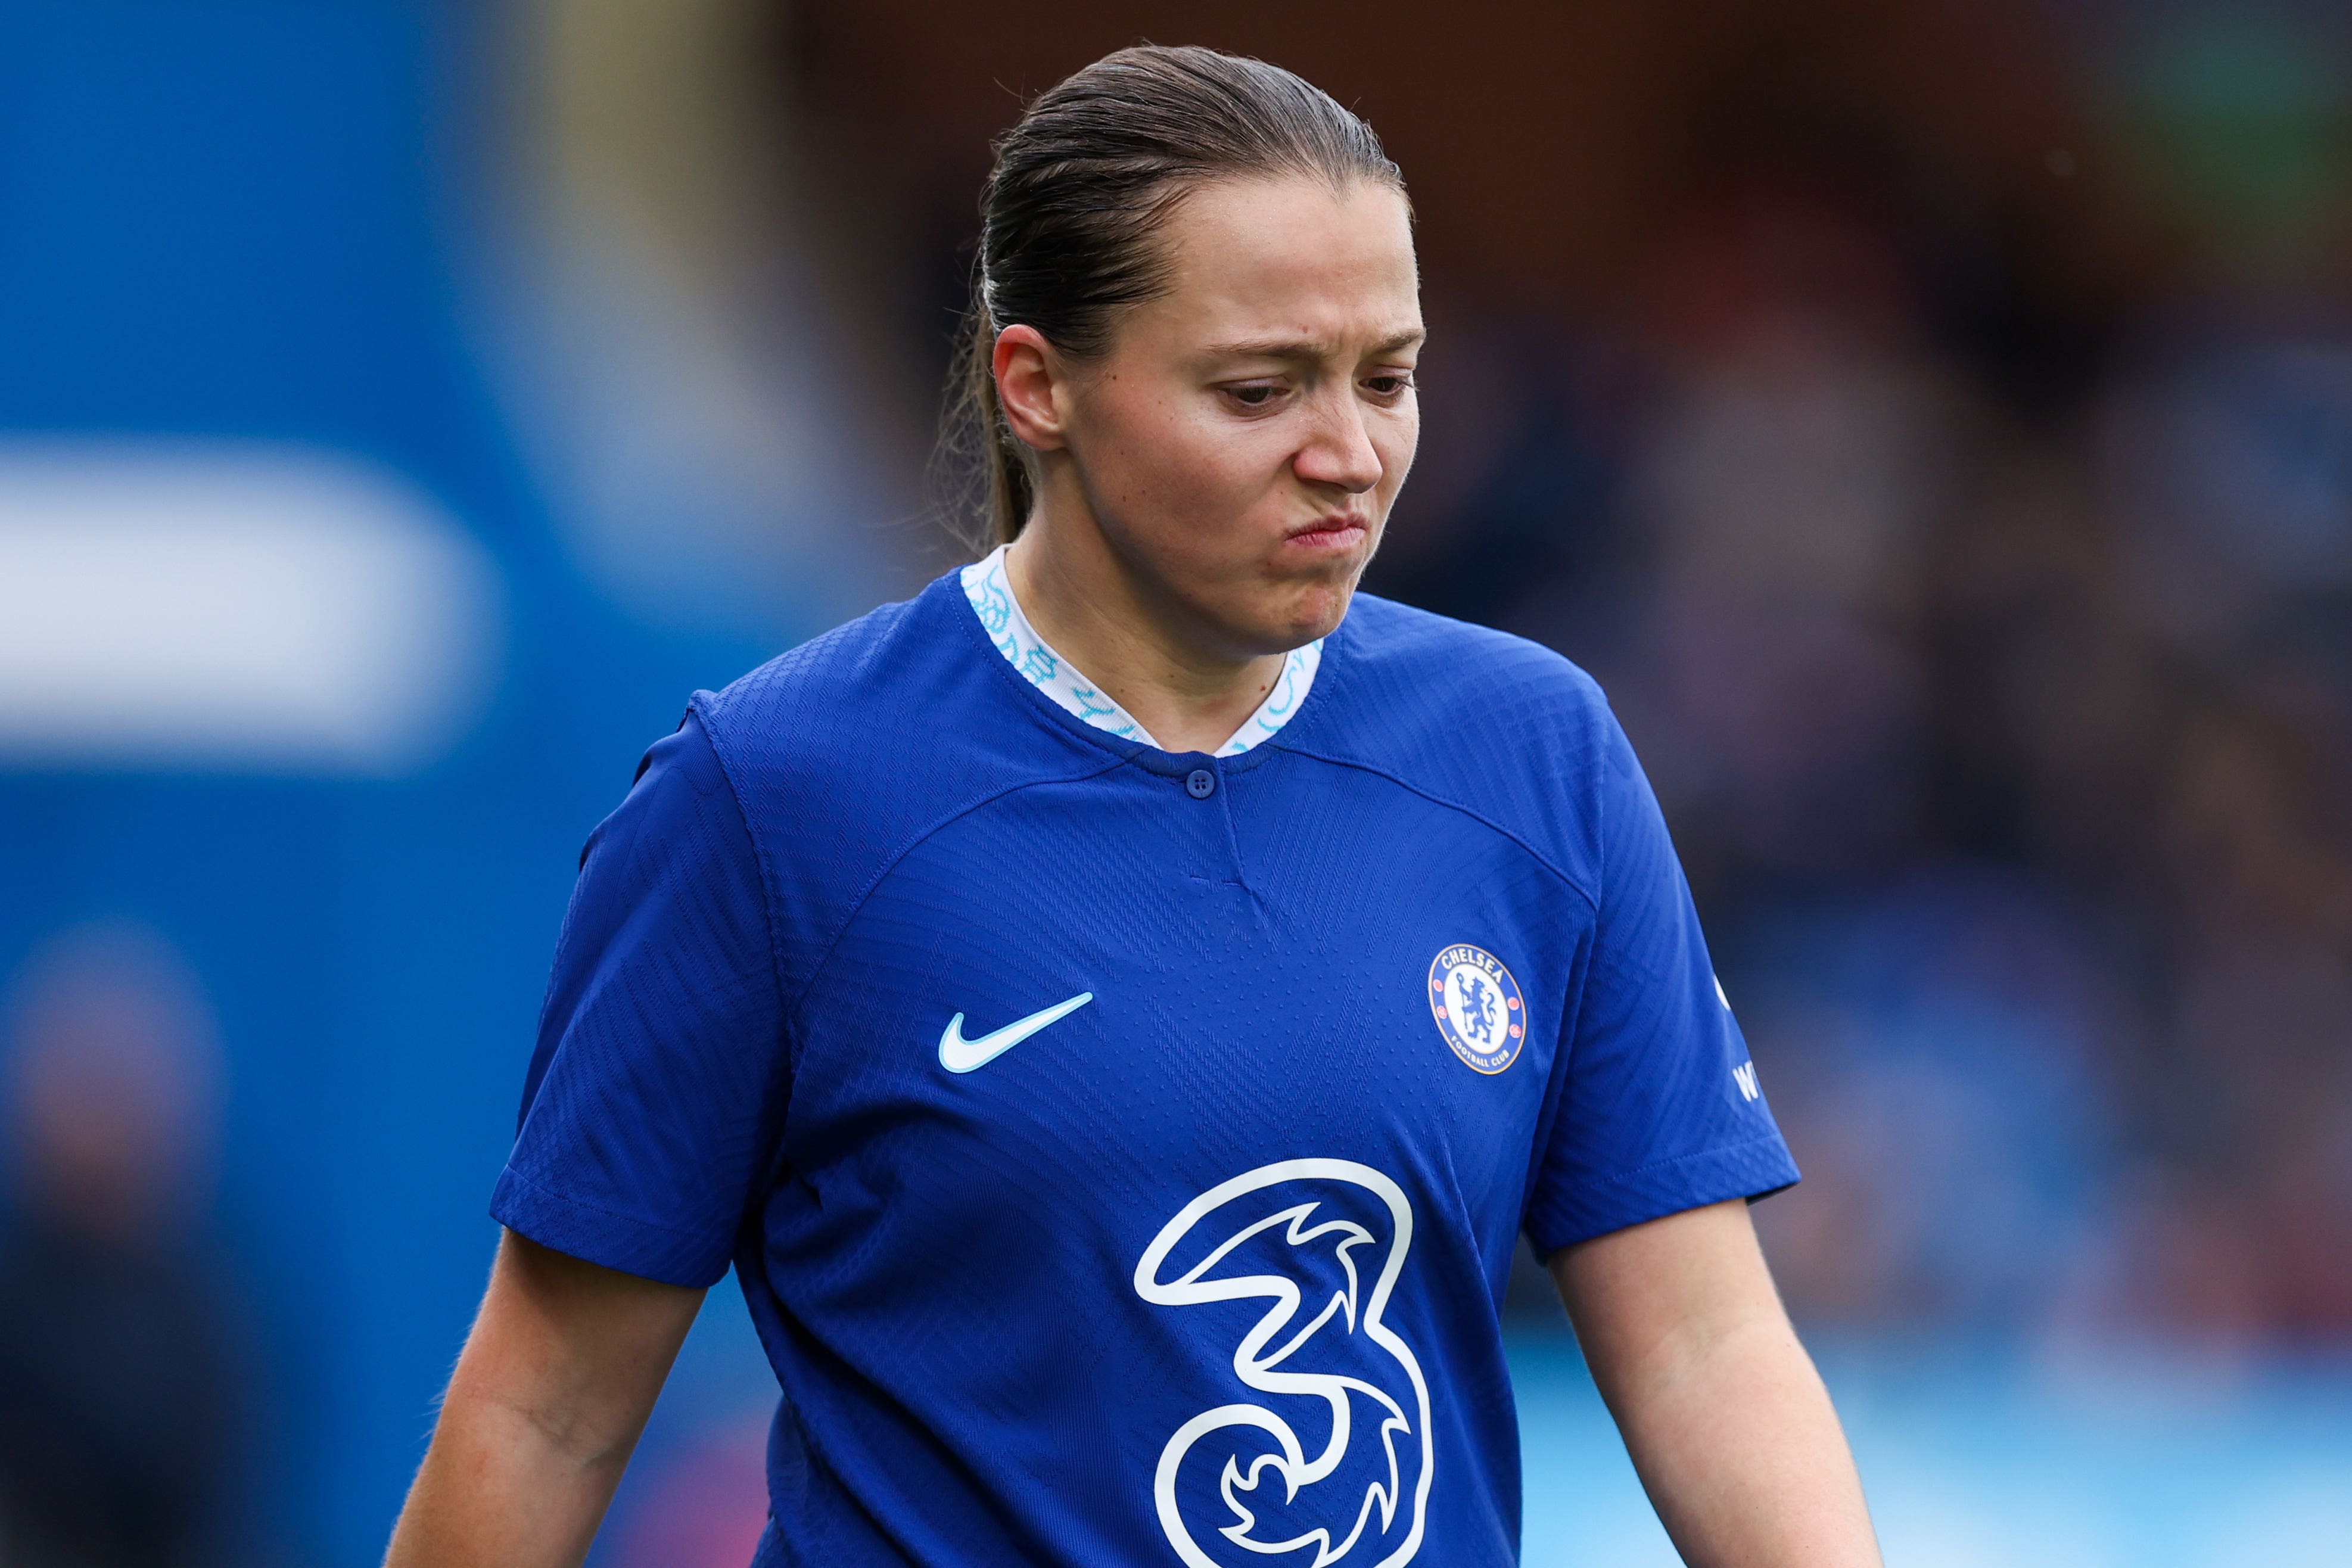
<point>1721,1409</point>
<point>1741,1453</point>
<point>554,1389</point>
<point>496,1490</point>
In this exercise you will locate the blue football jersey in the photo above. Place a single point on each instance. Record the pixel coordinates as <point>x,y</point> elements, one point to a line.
<point>1122,1152</point>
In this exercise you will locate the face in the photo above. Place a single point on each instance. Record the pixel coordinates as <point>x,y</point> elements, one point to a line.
<point>1240,444</point>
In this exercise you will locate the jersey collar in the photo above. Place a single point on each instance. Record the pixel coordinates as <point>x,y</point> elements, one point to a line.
<point>990,593</point>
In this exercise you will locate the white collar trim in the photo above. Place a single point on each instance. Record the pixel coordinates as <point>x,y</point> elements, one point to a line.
<point>990,592</point>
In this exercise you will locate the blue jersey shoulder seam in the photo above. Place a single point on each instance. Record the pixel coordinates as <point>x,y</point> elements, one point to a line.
<point>768,894</point>
<point>1540,858</point>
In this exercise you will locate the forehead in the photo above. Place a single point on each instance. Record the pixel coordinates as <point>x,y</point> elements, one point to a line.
<point>1253,258</point>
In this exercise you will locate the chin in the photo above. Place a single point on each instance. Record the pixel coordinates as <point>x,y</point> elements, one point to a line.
<point>1314,613</point>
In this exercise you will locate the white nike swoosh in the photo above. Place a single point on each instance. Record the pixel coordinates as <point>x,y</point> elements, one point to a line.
<point>960,1054</point>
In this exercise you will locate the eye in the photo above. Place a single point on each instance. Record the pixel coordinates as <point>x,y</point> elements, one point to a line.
<point>1389,384</point>
<point>1253,394</point>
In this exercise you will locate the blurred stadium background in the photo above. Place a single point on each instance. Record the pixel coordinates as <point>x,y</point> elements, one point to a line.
<point>1932,422</point>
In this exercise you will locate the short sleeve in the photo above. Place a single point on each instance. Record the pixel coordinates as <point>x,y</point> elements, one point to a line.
<point>1659,1109</point>
<point>656,1095</point>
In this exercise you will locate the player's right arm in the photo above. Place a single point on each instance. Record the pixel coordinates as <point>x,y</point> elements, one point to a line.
<point>548,1399</point>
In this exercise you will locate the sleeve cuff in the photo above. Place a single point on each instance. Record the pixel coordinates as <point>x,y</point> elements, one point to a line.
<point>1564,1216</point>
<point>598,1236</point>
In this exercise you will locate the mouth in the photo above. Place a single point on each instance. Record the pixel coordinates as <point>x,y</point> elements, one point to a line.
<point>1338,530</point>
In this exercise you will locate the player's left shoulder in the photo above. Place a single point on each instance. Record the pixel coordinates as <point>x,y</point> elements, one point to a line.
<point>1411,676</point>
<point>1499,726</point>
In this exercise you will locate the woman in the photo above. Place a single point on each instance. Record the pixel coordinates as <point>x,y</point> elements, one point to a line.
<point>1117,1010</point>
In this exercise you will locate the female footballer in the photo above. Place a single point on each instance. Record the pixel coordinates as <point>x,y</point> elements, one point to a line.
<point>1117,1011</point>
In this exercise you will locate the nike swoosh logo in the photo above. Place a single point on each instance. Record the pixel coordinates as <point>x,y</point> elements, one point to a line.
<point>960,1054</point>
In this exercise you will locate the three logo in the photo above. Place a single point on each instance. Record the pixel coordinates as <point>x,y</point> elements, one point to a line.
<point>1287,1234</point>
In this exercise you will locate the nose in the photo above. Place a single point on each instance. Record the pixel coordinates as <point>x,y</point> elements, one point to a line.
<point>1339,451</point>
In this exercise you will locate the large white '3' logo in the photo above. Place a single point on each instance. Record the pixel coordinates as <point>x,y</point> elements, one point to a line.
<point>1335,1334</point>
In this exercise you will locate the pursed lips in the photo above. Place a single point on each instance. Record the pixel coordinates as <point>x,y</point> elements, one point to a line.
<point>1332,529</point>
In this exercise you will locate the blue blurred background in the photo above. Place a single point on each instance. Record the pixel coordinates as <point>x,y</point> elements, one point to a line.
<point>1933,423</point>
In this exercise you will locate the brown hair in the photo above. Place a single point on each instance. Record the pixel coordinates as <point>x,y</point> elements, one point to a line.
<point>1080,187</point>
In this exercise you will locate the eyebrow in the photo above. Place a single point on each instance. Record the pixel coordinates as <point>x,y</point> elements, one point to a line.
<point>1299,348</point>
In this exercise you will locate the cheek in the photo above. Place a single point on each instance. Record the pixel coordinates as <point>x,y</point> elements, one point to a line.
<point>1166,463</point>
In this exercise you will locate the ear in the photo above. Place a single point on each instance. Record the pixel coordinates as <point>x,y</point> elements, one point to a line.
<point>1031,384</point>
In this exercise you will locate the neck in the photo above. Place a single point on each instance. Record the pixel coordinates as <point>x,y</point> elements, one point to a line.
<point>1132,639</point>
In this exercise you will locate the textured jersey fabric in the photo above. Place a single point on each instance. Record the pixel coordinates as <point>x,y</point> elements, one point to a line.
<point>1122,1152</point>
<point>989,588</point>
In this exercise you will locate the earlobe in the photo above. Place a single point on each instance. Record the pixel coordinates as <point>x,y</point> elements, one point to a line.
<point>1028,373</point>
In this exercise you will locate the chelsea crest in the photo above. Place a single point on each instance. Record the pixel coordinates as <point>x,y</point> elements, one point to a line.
<point>1478,1006</point>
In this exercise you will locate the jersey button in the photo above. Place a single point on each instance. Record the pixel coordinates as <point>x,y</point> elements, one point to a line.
<point>1200,783</point>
